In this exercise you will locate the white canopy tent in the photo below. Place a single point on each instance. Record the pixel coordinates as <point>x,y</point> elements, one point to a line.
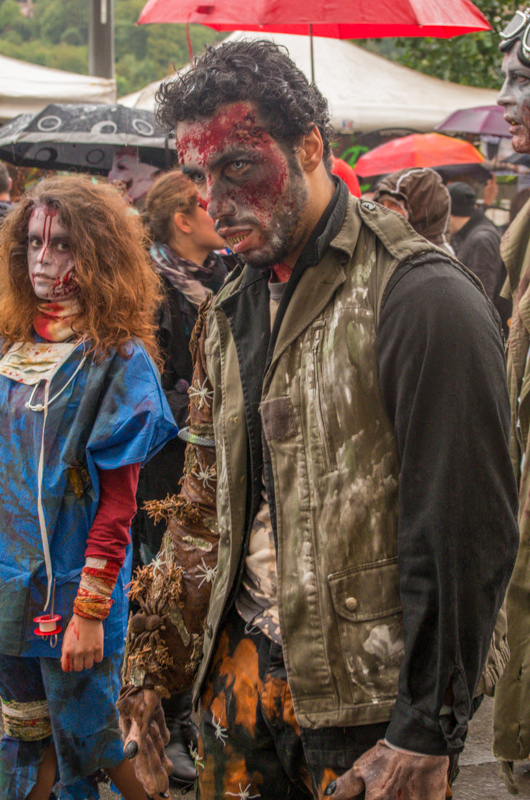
<point>364,91</point>
<point>28,88</point>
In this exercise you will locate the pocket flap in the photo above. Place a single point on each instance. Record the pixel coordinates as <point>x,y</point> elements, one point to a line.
<point>277,418</point>
<point>369,591</point>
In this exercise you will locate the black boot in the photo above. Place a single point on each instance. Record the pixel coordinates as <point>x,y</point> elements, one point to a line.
<point>184,734</point>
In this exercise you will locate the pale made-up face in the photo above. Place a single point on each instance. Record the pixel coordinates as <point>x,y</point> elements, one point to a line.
<point>253,189</point>
<point>136,176</point>
<point>50,259</point>
<point>515,97</point>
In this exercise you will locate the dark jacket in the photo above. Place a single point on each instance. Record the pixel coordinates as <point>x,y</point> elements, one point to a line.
<point>5,208</point>
<point>477,246</point>
<point>161,474</point>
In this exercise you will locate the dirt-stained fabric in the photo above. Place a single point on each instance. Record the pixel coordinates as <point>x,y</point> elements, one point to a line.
<point>251,745</point>
<point>164,639</point>
<point>335,465</point>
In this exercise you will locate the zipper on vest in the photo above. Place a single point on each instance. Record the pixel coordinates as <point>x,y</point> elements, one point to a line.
<point>328,457</point>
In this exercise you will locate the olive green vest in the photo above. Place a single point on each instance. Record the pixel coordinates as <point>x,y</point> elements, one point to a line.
<point>336,471</point>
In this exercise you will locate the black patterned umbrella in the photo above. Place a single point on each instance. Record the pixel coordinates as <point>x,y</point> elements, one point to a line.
<point>84,138</point>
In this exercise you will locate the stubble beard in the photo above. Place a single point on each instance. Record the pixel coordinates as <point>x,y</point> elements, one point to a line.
<point>286,229</point>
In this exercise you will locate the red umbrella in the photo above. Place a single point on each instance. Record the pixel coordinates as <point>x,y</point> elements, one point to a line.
<point>482,120</point>
<point>417,150</point>
<point>440,18</point>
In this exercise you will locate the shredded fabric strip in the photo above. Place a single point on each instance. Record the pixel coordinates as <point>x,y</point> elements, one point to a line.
<point>98,580</point>
<point>28,722</point>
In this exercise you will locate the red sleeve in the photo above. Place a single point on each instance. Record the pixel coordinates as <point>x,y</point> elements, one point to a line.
<point>109,534</point>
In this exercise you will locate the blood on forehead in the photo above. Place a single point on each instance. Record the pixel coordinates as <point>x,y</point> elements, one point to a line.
<point>232,126</point>
<point>47,214</point>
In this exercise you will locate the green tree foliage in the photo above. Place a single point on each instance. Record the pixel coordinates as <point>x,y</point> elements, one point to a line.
<point>57,36</point>
<point>473,59</point>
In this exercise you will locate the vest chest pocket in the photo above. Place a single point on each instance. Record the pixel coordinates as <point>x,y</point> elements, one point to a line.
<point>369,620</point>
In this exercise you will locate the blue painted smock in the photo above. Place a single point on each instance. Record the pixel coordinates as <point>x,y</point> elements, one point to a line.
<point>111,414</point>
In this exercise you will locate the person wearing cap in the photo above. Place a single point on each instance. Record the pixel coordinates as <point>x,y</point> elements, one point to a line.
<point>421,197</point>
<point>476,242</point>
<point>512,698</point>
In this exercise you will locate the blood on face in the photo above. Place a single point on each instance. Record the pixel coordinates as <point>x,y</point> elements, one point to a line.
<point>50,259</point>
<point>245,179</point>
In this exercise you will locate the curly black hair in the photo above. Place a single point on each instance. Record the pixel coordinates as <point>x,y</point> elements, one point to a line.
<point>257,71</point>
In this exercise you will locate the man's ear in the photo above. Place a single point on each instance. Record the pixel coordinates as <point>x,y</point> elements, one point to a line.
<point>311,150</point>
<point>10,185</point>
<point>182,222</point>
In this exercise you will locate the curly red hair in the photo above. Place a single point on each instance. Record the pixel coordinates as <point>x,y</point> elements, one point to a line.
<point>118,291</point>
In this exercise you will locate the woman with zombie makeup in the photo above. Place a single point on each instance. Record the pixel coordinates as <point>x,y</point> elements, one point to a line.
<point>183,255</point>
<point>82,411</point>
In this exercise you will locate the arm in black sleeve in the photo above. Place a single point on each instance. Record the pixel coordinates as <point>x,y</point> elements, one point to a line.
<point>484,260</point>
<point>179,403</point>
<point>175,348</point>
<point>443,381</point>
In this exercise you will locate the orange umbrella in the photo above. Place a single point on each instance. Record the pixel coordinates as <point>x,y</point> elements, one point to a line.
<point>417,150</point>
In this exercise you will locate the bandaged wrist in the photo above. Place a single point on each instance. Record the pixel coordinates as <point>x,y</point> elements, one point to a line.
<point>98,580</point>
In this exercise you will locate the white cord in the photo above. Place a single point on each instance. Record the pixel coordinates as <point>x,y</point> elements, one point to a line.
<point>40,509</point>
<point>39,406</point>
<point>40,474</point>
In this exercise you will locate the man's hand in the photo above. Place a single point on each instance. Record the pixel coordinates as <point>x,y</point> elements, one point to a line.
<point>144,733</point>
<point>82,644</point>
<point>385,773</point>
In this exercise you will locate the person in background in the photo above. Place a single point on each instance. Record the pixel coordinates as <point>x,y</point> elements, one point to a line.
<point>182,249</point>
<point>136,176</point>
<point>421,197</point>
<point>82,409</point>
<point>476,242</point>
<point>511,718</point>
<point>6,183</point>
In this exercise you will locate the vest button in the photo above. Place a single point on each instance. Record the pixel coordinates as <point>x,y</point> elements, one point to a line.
<point>209,630</point>
<point>368,205</point>
<point>351,603</point>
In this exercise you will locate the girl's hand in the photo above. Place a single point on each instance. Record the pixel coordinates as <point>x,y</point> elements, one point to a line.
<point>82,644</point>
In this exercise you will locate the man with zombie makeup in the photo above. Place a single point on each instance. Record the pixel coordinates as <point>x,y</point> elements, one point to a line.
<point>349,432</point>
<point>82,409</point>
<point>512,706</point>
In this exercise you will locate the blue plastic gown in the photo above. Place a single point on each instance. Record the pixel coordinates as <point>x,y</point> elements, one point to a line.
<point>111,414</point>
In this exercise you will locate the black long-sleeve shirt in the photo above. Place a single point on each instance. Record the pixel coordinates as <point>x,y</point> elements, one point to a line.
<point>443,380</point>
